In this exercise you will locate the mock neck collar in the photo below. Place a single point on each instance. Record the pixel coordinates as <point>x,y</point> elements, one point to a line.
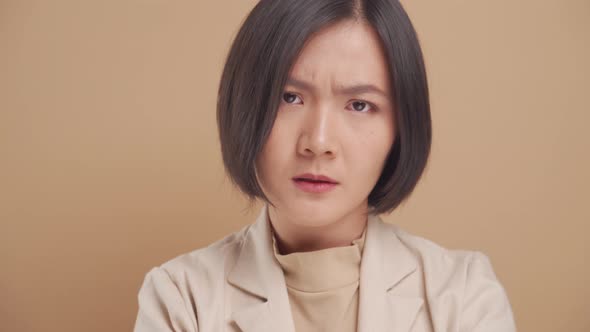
<point>324,269</point>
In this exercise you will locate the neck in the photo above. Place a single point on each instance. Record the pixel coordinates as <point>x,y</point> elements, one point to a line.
<point>293,236</point>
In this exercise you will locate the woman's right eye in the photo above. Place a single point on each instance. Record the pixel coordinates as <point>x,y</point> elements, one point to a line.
<point>290,98</point>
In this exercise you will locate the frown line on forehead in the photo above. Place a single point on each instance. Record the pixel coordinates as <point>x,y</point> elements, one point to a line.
<point>351,89</point>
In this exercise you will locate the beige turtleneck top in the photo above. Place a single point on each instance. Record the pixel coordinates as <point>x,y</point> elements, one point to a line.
<point>323,286</point>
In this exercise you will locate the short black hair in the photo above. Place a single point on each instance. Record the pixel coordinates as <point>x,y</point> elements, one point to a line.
<point>259,61</point>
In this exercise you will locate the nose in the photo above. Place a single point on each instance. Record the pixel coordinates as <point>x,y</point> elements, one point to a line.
<point>318,135</point>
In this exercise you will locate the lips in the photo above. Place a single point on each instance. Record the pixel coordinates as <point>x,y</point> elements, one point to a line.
<point>314,184</point>
<point>315,178</point>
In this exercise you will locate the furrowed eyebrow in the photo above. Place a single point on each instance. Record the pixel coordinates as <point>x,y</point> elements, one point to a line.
<point>346,90</point>
<point>299,84</point>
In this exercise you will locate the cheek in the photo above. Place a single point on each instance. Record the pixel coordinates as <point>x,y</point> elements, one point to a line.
<point>275,151</point>
<point>372,147</point>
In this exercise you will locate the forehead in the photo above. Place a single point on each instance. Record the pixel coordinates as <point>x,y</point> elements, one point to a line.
<point>344,52</point>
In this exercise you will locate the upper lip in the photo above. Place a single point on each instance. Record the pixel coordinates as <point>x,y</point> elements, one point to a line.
<point>316,177</point>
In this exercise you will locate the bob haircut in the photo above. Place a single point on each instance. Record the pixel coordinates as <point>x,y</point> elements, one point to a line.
<point>259,62</point>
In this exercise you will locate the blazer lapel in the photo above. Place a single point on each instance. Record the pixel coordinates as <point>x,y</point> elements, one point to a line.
<point>384,305</point>
<point>262,304</point>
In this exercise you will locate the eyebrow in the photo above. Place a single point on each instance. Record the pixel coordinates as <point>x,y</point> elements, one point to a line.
<point>346,90</point>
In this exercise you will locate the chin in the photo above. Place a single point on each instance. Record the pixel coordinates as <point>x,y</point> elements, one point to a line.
<point>314,215</point>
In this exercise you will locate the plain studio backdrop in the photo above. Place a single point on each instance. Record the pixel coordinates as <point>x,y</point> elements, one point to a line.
<point>110,162</point>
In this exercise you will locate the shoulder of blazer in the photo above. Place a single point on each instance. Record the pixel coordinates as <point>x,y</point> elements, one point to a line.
<point>184,288</point>
<point>206,264</point>
<point>439,264</point>
<point>480,301</point>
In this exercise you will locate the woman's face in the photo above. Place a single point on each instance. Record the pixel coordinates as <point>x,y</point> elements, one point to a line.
<point>335,119</point>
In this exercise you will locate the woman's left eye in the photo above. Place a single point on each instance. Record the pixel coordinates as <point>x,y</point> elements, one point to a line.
<point>289,98</point>
<point>362,106</point>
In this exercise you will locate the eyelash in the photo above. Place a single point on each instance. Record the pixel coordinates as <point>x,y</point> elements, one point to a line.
<point>372,106</point>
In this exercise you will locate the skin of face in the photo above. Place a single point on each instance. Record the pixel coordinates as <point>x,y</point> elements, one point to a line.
<point>321,128</point>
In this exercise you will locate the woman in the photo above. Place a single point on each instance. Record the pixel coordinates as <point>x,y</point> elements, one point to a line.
<point>323,114</point>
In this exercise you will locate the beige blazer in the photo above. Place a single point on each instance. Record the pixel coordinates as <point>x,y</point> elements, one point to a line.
<point>407,284</point>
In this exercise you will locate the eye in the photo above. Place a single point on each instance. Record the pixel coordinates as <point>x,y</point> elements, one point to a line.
<point>360,106</point>
<point>289,98</point>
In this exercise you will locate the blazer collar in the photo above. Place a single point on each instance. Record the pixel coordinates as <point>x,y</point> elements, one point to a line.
<point>386,301</point>
<point>386,263</point>
<point>259,274</point>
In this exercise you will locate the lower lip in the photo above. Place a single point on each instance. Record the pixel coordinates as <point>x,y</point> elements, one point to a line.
<point>314,187</point>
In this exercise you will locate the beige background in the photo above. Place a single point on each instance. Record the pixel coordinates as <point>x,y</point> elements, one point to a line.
<point>110,164</point>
